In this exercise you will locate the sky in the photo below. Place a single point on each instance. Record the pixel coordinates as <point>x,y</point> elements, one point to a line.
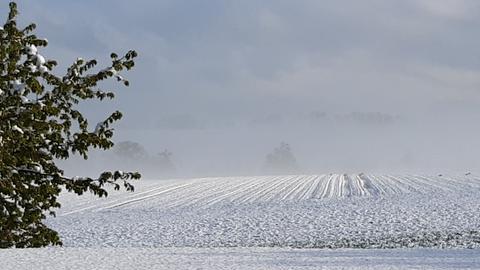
<point>352,86</point>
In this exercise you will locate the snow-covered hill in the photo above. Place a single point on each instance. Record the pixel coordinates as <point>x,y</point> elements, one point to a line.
<point>314,211</point>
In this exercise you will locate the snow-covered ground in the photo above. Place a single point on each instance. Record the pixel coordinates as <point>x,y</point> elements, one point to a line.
<point>272,222</point>
<point>326,211</point>
<point>236,258</point>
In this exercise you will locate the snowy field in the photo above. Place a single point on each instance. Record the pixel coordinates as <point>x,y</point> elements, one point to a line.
<point>329,211</point>
<point>236,258</point>
<point>272,222</point>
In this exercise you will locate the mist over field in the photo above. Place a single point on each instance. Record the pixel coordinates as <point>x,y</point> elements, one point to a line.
<point>371,86</point>
<point>321,143</point>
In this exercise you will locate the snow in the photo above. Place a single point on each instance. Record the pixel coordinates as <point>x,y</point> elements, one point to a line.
<point>235,258</point>
<point>18,87</point>
<point>315,211</point>
<point>335,221</point>
<point>112,70</point>
<point>43,69</point>
<point>37,168</point>
<point>32,67</point>
<point>40,60</point>
<point>24,99</point>
<point>17,129</point>
<point>31,49</point>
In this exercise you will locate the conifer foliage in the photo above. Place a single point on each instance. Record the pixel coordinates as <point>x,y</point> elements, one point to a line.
<point>39,125</point>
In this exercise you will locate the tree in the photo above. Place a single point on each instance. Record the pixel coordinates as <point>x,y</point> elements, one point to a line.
<point>281,160</point>
<point>130,150</point>
<point>132,155</point>
<point>40,124</point>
